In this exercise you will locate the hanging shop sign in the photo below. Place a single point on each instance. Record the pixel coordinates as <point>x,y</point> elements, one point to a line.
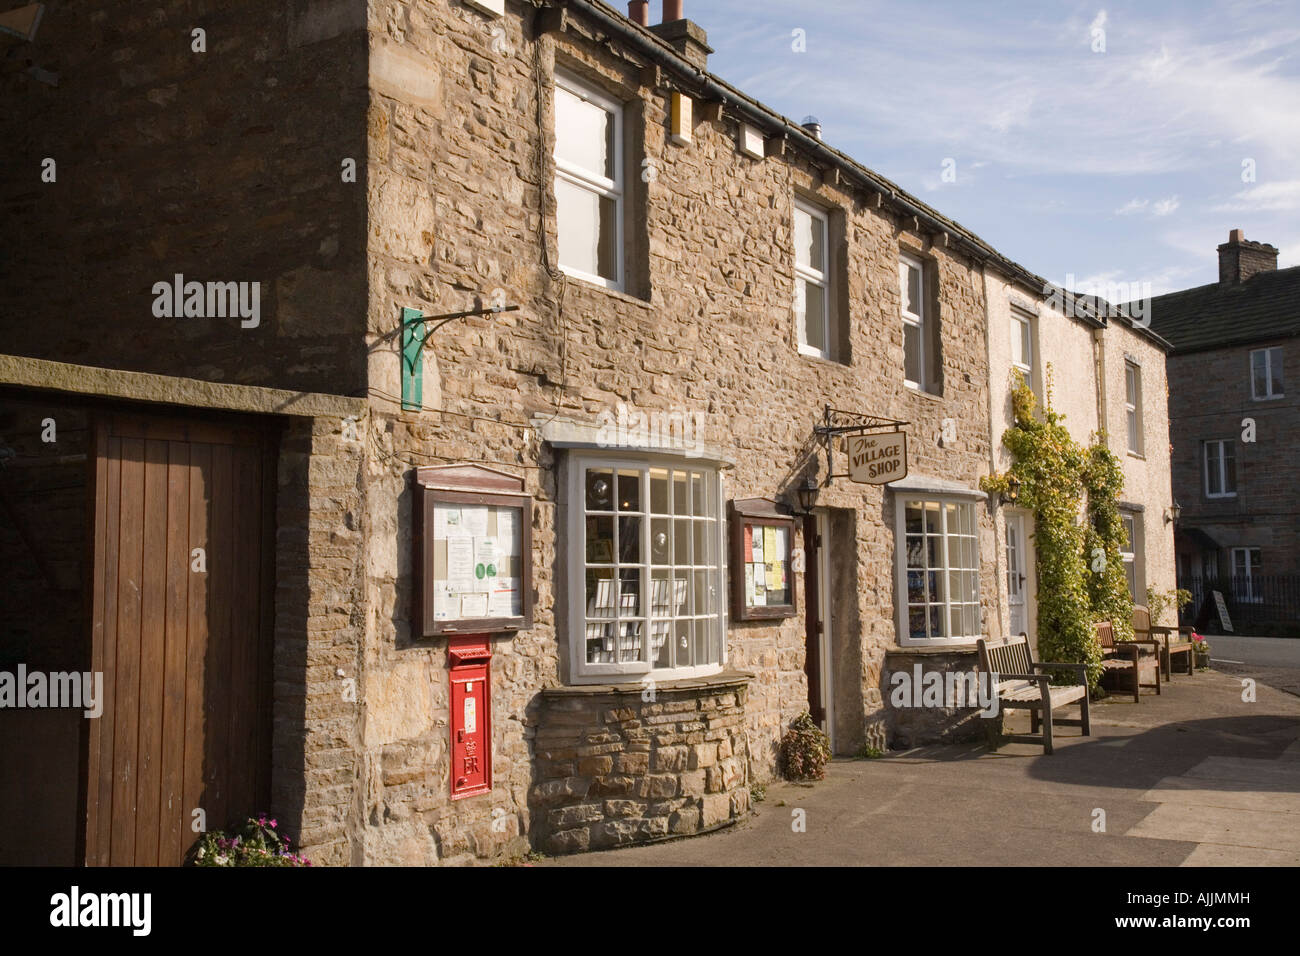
<point>876,458</point>
<point>875,448</point>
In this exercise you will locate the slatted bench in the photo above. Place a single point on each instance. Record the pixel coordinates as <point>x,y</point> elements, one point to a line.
<point>1019,686</point>
<point>1126,656</point>
<point>1177,640</point>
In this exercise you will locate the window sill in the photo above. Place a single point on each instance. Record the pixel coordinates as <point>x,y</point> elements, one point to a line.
<point>587,284</point>
<point>728,677</point>
<point>804,352</point>
<point>930,650</point>
<point>923,392</point>
<point>1138,455</point>
<point>1266,398</point>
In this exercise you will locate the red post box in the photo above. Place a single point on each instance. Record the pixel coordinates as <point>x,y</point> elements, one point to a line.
<point>469,659</point>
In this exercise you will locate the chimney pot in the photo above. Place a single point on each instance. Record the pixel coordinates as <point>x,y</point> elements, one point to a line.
<point>813,125</point>
<point>673,11</point>
<point>638,11</point>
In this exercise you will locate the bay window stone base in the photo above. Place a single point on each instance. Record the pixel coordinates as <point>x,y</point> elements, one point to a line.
<point>619,764</point>
<point>913,719</point>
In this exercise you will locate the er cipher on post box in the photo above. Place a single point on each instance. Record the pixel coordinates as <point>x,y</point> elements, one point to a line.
<point>469,659</point>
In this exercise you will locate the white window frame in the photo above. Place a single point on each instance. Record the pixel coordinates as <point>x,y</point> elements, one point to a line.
<point>1130,523</point>
<point>1269,394</point>
<point>1022,330</point>
<point>592,182</point>
<point>902,604</point>
<point>1133,408</point>
<point>1223,444</point>
<point>821,278</point>
<point>919,320</point>
<point>1247,595</point>
<point>580,670</point>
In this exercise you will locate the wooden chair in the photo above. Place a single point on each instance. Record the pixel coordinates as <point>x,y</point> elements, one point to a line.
<point>1126,655</point>
<point>1176,640</point>
<point>1018,685</point>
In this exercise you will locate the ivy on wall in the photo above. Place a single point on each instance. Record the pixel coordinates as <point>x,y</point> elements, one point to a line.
<point>1108,593</point>
<point>1055,474</point>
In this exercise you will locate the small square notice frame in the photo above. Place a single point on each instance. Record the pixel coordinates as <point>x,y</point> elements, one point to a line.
<point>761,541</point>
<point>473,551</point>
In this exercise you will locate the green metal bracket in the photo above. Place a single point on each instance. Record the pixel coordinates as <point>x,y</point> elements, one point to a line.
<point>412,359</point>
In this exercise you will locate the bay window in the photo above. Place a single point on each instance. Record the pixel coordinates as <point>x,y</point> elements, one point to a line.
<point>938,571</point>
<point>646,588</point>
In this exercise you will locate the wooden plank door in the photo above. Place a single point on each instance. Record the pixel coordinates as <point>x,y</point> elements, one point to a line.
<point>181,632</point>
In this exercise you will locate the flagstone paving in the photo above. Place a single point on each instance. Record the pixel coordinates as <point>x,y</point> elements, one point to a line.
<point>1195,776</point>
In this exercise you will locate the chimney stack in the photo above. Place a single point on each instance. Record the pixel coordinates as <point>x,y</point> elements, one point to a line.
<point>685,36</point>
<point>638,11</point>
<point>1239,258</point>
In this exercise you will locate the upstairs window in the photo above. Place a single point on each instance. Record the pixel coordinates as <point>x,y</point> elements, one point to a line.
<point>589,182</point>
<point>1133,406</point>
<point>1022,344</point>
<point>1266,373</point>
<point>1220,469</point>
<point>919,365</point>
<point>811,280</point>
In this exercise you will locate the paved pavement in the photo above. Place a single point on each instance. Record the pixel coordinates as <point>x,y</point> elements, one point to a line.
<point>1274,661</point>
<point>1194,776</point>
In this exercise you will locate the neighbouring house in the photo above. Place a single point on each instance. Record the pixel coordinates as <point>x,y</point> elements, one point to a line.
<point>1106,374</point>
<point>461,426</point>
<point>1234,425</point>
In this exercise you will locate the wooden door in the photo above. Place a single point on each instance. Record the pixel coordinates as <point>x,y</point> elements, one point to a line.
<point>181,623</point>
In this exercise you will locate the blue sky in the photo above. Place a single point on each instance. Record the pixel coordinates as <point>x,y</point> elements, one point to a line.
<point>1117,166</point>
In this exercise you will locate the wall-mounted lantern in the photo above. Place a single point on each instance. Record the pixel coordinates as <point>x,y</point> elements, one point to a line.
<point>1173,513</point>
<point>1012,493</point>
<point>808,492</point>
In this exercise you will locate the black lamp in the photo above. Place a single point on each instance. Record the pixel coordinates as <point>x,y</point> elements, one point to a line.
<point>1009,496</point>
<point>1173,513</point>
<point>808,492</point>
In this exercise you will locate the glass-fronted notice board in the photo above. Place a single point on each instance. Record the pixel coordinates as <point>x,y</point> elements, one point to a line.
<point>474,552</point>
<point>762,582</point>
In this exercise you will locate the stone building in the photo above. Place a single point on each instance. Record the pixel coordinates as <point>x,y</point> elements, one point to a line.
<point>308,290</point>
<point>1234,426</point>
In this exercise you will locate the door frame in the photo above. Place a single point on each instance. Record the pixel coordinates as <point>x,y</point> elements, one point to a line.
<point>818,621</point>
<point>1023,521</point>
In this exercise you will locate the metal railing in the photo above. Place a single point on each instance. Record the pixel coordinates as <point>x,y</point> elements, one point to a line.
<point>1267,605</point>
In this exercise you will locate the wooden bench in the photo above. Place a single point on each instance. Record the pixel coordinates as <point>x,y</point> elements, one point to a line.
<point>1177,640</point>
<point>1126,655</point>
<point>1018,686</point>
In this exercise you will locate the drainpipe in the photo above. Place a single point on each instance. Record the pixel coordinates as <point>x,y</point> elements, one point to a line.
<point>999,552</point>
<point>1099,370</point>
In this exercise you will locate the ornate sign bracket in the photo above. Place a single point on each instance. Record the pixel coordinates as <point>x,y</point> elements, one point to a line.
<point>836,422</point>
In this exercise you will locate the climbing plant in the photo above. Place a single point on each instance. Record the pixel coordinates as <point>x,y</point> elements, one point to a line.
<point>1049,465</point>
<point>1104,539</point>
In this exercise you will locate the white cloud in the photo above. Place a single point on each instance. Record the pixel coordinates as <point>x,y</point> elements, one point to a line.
<point>1164,207</point>
<point>1132,206</point>
<point>1280,196</point>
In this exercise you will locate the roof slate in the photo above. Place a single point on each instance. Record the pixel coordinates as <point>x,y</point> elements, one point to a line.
<point>1265,306</point>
